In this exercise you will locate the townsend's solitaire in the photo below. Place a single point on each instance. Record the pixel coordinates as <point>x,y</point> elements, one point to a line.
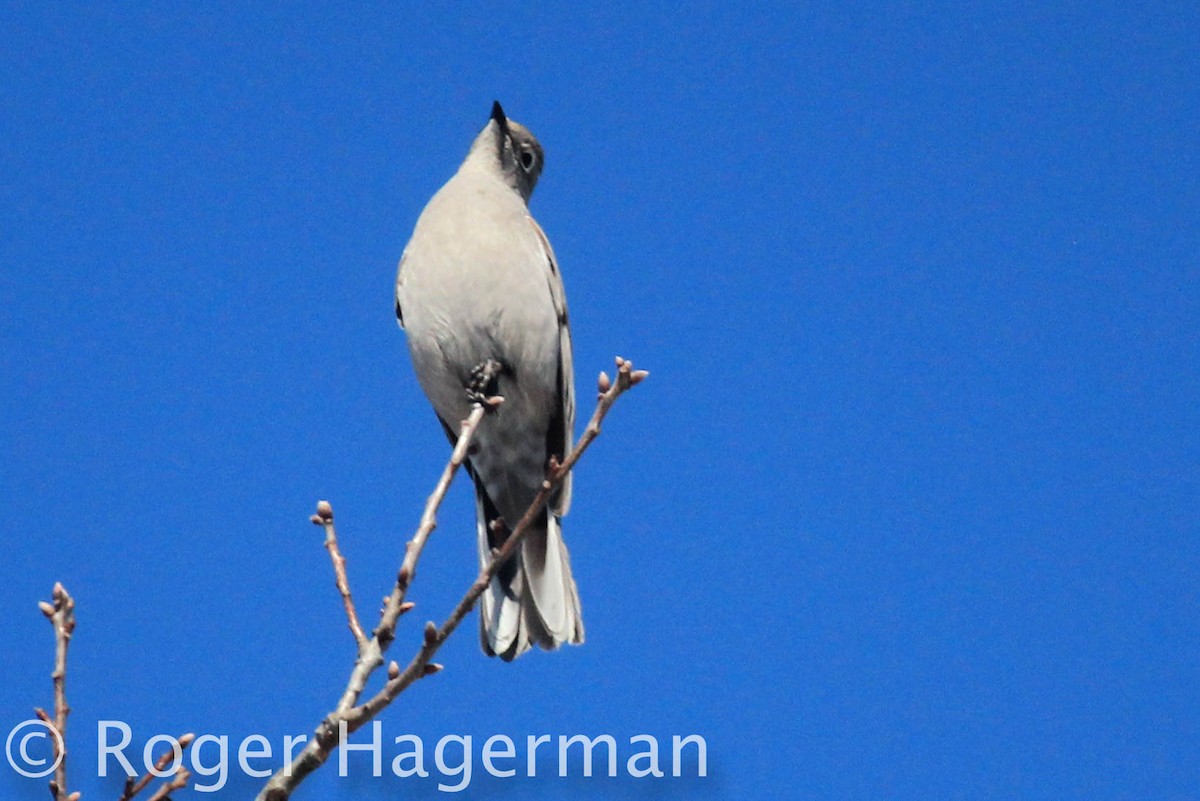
<point>478,287</point>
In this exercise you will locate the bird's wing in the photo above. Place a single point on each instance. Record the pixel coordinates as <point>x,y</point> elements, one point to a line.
<point>559,438</point>
<point>399,278</point>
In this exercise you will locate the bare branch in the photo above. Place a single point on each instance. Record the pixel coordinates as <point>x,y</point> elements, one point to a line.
<point>61,615</point>
<point>324,518</point>
<point>420,666</point>
<point>317,751</point>
<point>177,782</point>
<point>133,787</point>
<point>370,653</point>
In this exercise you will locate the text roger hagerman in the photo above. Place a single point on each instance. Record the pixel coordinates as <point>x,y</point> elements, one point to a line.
<point>453,756</point>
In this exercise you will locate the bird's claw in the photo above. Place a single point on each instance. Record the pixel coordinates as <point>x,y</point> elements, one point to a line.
<point>482,386</point>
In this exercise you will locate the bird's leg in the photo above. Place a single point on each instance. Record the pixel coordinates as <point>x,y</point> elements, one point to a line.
<point>483,383</point>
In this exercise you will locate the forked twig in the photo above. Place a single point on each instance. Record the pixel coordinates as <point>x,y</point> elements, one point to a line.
<point>61,614</point>
<point>370,652</point>
<point>421,666</point>
<point>134,786</point>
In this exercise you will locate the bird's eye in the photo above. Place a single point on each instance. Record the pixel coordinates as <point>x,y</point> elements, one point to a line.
<point>527,159</point>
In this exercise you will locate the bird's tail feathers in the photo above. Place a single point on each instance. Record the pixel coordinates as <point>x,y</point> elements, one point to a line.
<point>533,599</point>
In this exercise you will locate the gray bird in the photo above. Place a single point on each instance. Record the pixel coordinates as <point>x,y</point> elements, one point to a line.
<point>480,297</point>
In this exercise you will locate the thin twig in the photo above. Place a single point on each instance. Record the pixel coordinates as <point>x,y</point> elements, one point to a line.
<point>62,616</point>
<point>370,655</point>
<point>133,787</point>
<point>324,518</point>
<point>317,751</point>
<point>178,782</point>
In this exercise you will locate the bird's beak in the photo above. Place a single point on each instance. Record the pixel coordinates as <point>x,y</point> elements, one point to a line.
<point>501,120</point>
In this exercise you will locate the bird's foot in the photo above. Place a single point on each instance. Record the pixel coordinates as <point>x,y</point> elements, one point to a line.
<point>484,382</point>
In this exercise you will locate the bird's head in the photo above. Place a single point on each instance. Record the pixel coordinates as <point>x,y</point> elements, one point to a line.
<point>508,147</point>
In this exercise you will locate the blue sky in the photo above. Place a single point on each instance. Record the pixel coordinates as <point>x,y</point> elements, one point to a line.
<point>907,510</point>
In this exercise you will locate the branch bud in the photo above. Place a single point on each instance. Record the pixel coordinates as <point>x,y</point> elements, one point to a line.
<point>433,667</point>
<point>431,632</point>
<point>47,608</point>
<point>637,376</point>
<point>186,739</point>
<point>324,510</point>
<point>393,670</point>
<point>407,606</point>
<point>605,383</point>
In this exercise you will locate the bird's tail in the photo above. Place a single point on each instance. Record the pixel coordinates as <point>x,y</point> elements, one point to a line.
<point>532,600</point>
